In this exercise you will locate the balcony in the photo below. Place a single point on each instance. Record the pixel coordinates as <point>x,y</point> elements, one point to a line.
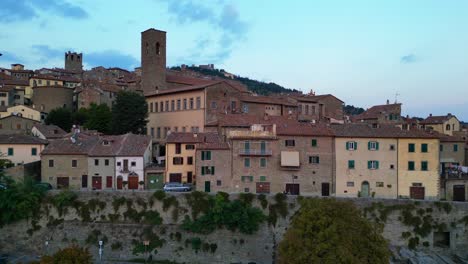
<point>255,152</point>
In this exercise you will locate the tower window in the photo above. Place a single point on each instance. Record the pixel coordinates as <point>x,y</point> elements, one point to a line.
<point>147,48</point>
<point>158,50</point>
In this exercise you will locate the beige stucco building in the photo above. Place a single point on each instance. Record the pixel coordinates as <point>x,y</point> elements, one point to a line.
<point>443,124</point>
<point>21,149</point>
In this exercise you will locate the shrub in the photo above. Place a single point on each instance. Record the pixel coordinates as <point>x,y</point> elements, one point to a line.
<point>71,255</point>
<point>199,202</point>
<point>63,200</point>
<point>159,195</point>
<point>246,198</point>
<point>170,201</point>
<point>116,246</point>
<point>263,200</point>
<point>152,218</point>
<point>118,202</point>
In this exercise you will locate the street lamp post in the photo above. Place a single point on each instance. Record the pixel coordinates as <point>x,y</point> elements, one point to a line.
<point>100,250</point>
<point>146,244</point>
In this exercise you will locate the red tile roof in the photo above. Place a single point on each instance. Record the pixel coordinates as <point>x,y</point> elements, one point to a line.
<point>181,89</point>
<point>50,131</point>
<point>436,119</point>
<point>208,140</point>
<point>375,111</point>
<point>21,139</point>
<point>303,129</point>
<point>260,99</point>
<point>382,131</point>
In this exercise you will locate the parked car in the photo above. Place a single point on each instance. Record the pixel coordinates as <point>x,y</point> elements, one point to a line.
<point>177,187</point>
<point>45,185</point>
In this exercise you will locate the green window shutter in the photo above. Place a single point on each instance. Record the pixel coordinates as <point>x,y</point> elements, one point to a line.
<point>10,152</point>
<point>314,142</point>
<point>262,178</point>
<point>318,160</point>
<point>355,145</point>
<point>369,164</point>
<point>34,151</point>
<point>203,155</point>
<point>376,145</point>
<point>209,155</point>
<point>251,178</point>
<point>424,148</point>
<point>212,170</point>
<point>243,178</point>
<point>369,145</point>
<point>411,165</point>
<point>424,166</point>
<point>350,164</point>
<point>455,148</point>
<point>377,164</point>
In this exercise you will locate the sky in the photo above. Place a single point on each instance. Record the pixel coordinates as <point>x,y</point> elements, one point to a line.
<point>362,51</point>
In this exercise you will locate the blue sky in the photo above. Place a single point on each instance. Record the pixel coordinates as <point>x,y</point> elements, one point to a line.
<point>364,52</point>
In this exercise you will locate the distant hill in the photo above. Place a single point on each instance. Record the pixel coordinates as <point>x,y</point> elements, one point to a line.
<point>255,86</point>
<point>352,110</point>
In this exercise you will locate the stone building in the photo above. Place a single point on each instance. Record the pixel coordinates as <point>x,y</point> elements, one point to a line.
<point>14,124</point>
<point>96,92</point>
<point>153,60</point>
<point>380,114</point>
<point>319,108</point>
<point>47,98</point>
<point>443,124</point>
<point>266,105</point>
<point>73,61</point>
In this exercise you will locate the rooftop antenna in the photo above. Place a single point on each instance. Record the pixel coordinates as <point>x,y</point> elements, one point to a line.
<point>396,97</point>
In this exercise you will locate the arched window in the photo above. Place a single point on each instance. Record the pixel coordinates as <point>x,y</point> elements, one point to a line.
<point>158,50</point>
<point>447,127</point>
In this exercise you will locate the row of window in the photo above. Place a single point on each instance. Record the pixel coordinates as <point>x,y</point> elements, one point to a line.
<point>455,148</point>
<point>263,162</point>
<point>11,151</point>
<point>374,145</point>
<point>180,161</point>
<point>178,148</point>
<point>304,109</point>
<point>374,165</point>
<point>292,143</point>
<point>377,184</point>
<point>175,105</point>
<point>251,178</point>
<point>74,163</point>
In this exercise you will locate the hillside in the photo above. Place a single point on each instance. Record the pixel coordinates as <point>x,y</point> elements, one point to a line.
<point>255,86</point>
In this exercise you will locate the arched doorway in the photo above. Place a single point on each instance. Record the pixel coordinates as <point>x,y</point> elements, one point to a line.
<point>365,189</point>
<point>133,181</point>
<point>119,182</point>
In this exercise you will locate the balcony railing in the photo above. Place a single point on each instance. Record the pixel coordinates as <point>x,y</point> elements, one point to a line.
<point>255,152</point>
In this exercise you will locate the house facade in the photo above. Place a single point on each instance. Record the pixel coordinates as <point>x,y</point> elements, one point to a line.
<point>14,124</point>
<point>443,124</point>
<point>21,149</point>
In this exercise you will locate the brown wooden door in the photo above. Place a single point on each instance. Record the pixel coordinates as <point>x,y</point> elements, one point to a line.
<point>63,182</point>
<point>84,181</point>
<point>325,189</point>
<point>119,183</point>
<point>109,182</point>
<point>292,188</point>
<point>417,192</point>
<point>132,182</point>
<point>263,187</point>
<point>97,182</point>
<point>189,177</point>
<point>175,177</point>
<point>459,193</point>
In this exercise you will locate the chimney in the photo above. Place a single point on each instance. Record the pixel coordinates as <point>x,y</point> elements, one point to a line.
<point>407,116</point>
<point>388,101</point>
<point>430,114</point>
<point>195,135</point>
<point>449,114</point>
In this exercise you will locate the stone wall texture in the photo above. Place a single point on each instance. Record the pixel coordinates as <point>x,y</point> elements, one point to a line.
<point>231,247</point>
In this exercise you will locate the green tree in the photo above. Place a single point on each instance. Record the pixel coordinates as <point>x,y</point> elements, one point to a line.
<point>79,117</point>
<point>331,231</point>
<point>21,200</point>
<point>70,255</point>
<point>99,117</point>
<point>61,117</point>
<point>129,113</point>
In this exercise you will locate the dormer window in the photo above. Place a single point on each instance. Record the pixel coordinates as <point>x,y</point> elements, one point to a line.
<point>105,143</point>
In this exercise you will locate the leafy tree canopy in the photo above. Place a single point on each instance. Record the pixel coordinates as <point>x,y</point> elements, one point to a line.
<point>61,117</point>
<point>332,231</point>
<point>98,117</point>
<point>129,113</point>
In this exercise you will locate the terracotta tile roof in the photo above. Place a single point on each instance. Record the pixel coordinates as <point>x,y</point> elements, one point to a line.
<point>185,80</point>
<point>314,98</point>
<point>50,131</point>
<point>21,117</point>
<point>203,140</point>
<point>130,145</point>
<point>133,145</point>
<point>375,111</point>
<point>260,99</point>
<point>7,88</point>
<point>181,89</point>
<point>246,120</point>
<point>303,129</point>
<point>15,82</point>
<point>58,70</point>
<point>437,119</point>
<point>446,138</point>
<point>383,131</point>
<point>21,139</point>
